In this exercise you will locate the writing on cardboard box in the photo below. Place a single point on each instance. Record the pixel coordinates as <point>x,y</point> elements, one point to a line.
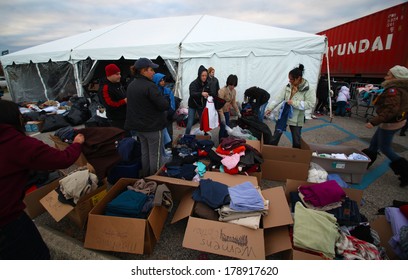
<point>220,240</point>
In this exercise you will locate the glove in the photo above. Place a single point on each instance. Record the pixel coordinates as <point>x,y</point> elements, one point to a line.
<point>239,115</point>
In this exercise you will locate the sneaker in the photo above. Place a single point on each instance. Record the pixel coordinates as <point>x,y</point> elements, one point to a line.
<point>314,117</point>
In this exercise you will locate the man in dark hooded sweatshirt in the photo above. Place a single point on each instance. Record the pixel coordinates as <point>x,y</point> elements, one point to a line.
<point>199,91</point>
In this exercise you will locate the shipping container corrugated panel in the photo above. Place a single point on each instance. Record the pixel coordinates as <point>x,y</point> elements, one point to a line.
<point>370,45</point>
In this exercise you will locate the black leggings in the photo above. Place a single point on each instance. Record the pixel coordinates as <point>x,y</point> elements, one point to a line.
<point>21,240</point>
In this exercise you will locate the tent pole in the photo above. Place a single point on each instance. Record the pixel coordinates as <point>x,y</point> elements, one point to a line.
<point>330,91</point>
<point>42,81</point>
<point>78,85</point>
<point>177,86</point>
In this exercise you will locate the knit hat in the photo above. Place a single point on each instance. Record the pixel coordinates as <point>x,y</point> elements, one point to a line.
<point>111,69</point>
<point>399,72</point>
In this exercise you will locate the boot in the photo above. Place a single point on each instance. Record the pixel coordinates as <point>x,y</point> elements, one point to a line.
<point>372,155</point>
<point>400,167</point>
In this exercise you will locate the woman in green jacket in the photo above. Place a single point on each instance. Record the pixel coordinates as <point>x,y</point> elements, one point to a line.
<point>295,98</point>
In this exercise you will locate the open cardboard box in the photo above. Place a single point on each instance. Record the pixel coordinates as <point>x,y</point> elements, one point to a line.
<point>121,234</point>
<point>383,228</point>
<point>32,200</point>
<point>292,186</point>
<point>281,163</point>
<point>234,240</point>
<point>78,214</point>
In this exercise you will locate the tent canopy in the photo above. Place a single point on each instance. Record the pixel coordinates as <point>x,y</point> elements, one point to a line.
<point>260,55</point>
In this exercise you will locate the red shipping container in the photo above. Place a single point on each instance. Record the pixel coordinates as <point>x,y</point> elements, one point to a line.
<point>369,46</point>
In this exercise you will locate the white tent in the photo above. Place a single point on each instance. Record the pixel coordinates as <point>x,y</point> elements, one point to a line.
<point>259,55</point>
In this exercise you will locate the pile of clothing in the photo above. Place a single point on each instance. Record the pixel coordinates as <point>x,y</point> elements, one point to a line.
<point>242,204</point>
<point>76,184</point>
<point>137,200</point>
<point>329,223</point>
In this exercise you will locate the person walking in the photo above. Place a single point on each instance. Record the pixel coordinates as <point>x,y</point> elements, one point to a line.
<point>296,97</point>
<point>199,92</point>
<point>391,108</point>
<point>146,115</point>
<point>229,94</point>
<point>21,155</point>
<point>112,95</point>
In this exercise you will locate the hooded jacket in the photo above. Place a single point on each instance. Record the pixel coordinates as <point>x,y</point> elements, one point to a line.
<point>166,91</point>
<point>392,102</point>
<point>303,99</point>
<point>146,107</point>
<point>21,154</point>
<point>112,96</point>
<point>344,94</point>
<point>197,87</point>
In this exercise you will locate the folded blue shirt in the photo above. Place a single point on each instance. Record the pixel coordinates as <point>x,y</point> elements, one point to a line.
<point>245,197</point>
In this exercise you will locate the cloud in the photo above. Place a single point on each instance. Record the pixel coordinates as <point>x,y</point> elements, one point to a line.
<point>27,23</point>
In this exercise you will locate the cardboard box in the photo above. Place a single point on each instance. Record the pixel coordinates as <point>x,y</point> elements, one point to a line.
<point>234,240</point>
<point>78,214</point>
<point>281,163</point>
<point>60,145</point>
<point>119,234</point>
<point>354,168</point>
<point>292,186</point>
<point>32,200</point>
<point>33,126</point>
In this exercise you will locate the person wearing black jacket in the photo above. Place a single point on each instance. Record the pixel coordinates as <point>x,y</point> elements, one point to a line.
<point>146,114</point>
<point>199,91</point>
<point>258,98</point>
<point>113,96</point>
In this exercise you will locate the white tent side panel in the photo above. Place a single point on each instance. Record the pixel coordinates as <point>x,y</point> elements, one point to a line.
<point>269,73</point>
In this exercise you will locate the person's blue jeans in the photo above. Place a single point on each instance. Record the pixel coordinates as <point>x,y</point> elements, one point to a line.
<point>341,108</point>
<point>191,118</point>
<point>223,132</point>
<point>382,140</point>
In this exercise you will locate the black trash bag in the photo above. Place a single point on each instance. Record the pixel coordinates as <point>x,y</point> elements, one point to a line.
<point>79,112</point>
<point>53,122</point>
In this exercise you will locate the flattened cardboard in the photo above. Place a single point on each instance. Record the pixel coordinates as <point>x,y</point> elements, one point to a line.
<point>120,234</point>
<point>32,200</point>
<point>224,239</point>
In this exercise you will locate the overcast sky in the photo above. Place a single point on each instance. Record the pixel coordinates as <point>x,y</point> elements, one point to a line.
<point>27,23</point>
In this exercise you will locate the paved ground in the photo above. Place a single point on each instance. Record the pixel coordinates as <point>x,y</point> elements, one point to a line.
<point>380,187</point>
